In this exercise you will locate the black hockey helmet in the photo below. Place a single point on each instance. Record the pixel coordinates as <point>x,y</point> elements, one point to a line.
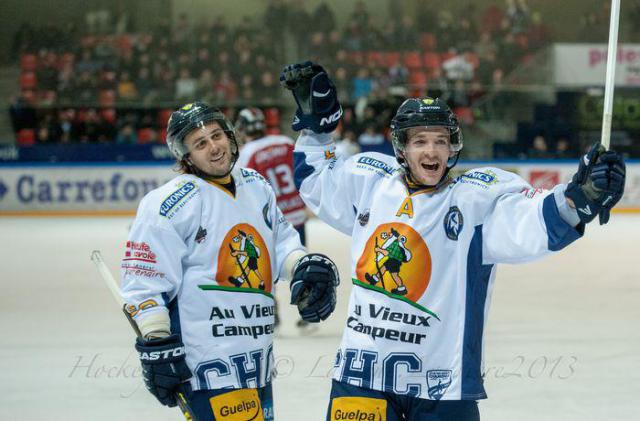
<point>250,122</point>
<point>193,116</point>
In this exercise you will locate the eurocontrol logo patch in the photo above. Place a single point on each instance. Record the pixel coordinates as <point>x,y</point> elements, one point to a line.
<point>378,165</point>
<point>175,198</point>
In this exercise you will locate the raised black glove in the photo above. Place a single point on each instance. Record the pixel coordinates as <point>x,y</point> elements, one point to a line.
<point>316,96</point>
<point>163,366</point>
<point>313,287</point>
<point>598,185</point>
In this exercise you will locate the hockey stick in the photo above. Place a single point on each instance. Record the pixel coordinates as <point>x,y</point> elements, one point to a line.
<point>610,77</point>
<point>112,284</point>
<point>378,265</point>
<point>244,274</point>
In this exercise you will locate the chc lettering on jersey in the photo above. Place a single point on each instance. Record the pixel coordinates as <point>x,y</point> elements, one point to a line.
<point>139,251</point>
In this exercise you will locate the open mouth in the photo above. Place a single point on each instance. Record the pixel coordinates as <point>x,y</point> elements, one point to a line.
<point>430,166</point>
<point>217,157</point>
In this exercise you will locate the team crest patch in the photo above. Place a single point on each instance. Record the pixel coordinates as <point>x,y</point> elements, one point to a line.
<point>388,261</point>
<point>438,381</point>
<point>363,218</point>
<point>243,260</point>
<point>453,223</point>
<point>358,408</point>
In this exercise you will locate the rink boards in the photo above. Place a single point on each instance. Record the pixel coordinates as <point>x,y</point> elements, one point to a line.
<point>116,189</point>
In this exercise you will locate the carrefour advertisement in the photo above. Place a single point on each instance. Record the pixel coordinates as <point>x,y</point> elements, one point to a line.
<point>91,189</point>
<point>117,189</point>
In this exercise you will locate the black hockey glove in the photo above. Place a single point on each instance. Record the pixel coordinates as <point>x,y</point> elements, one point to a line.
<point>316,96</point>
<point>313,287</point>
<point>163,366</point>
<point>598,185</point>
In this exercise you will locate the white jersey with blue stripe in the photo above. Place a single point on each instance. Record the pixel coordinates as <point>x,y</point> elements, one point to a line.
<point>210,259</point>
<point>423,263</point>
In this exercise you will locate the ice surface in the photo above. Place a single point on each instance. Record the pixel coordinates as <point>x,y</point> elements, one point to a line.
<point>562,340</point>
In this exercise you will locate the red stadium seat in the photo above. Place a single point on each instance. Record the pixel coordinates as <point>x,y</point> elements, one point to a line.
<point>428,41</point>
<point>123,42</point>
<point>109,115</point>
<point>446,56</point>
<point>26,137</point>
<point>81,115</point>
<point>418,79</point>
<point>432,61</point>
<point>107,97</point>
<point>412,60</point>
<point>28,80</point>
<point>272,117</point>
<point>28,62</point>
<point>375,57</point>
<point>391,59</point>
<point>145,135</point>
<point>66,58</point>
<point>465,115</point>
<point>163,116</point>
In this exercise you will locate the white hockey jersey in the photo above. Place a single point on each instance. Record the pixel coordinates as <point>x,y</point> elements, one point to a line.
<point>423,264</point>
<point>210,260</point>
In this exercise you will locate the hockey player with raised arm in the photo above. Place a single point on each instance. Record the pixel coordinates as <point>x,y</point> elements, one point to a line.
<point>425,249</point>
<point>202,258</point>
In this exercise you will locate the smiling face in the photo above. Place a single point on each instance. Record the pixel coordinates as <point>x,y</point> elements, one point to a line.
<point>427,151</point>
<point>210,149</point>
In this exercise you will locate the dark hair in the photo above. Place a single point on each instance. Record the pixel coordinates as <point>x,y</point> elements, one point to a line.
<point>184,167</point>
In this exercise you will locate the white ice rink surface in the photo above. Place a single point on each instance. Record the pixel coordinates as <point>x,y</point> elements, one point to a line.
<point>563,341</point>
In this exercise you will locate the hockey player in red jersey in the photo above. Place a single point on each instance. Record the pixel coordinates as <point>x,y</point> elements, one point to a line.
<point>272,156</point>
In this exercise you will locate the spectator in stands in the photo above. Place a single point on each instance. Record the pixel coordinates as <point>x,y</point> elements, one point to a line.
<point>539,148</point>
<point>145,85</point>
<point>371,137</point>
<point>85,88</point>
<point>458,67</point>
<point>186,86</point>
<point>127,90</point>
<point>564,149</point>
<point>127,135</point>
<point>362,84</point>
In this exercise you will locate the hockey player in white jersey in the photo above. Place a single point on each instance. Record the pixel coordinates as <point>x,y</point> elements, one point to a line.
<point>412,345</point>
<point>202,258</point>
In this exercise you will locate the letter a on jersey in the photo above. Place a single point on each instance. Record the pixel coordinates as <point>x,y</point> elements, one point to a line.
<point>406,208</point>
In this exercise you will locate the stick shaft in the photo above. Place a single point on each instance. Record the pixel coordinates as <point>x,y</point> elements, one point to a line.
<point>112,284</point>
<point>610,78</point>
